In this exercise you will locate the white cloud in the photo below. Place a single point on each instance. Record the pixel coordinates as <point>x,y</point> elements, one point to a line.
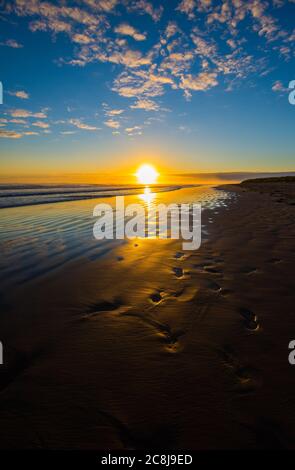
<point>10,135</point>
<point>81,125</point>
<point>171,29</point>
<point>144,7</point>
<point>23,113</point>
<point>126,30</point>
<point>55,25</point>
<point>20,94</point>
<point>11,43</point>
<point>114,112</point>
<point>81,38</point>
<point>278,87</point>
<point>140,84</point>
<point>18,121</point>
<point>42,125</point>
<point>202,82</point>
<point>136,130</point>
<point>102,5</point>
<point>112,124</point>
<point>177,62</point>
<point>147,105</point>
<point>127,57</point>
<point>187,7</point>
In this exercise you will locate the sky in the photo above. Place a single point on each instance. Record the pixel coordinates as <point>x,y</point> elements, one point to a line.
<point>97,87</point>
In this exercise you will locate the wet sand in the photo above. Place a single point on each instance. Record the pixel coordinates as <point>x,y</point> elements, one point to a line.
<point>152,347</point>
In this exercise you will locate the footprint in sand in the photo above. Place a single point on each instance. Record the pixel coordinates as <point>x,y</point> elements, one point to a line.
<point>247,379</point>
<point>208,268</point>
<point>251,320</point>
<point>163,330</point>
<point>212,285</point>
<point>170,338</point>
<point>186,294</point>
<point>249,270</point>
<point>104,307</point>
<point>179,255</point>
<point>178,272</point>
<point>156,297</point>
<point>212,270</point>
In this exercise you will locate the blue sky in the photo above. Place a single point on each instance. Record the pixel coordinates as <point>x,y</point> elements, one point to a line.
<point>100,86</point>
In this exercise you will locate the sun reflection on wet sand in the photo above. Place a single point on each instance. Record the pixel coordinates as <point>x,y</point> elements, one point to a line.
<point>147,196</point>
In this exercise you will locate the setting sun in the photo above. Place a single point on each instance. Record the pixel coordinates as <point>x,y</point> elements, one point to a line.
<point>146,174</point>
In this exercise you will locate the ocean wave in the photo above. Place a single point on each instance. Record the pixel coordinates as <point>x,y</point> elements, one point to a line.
<point>27,195</point>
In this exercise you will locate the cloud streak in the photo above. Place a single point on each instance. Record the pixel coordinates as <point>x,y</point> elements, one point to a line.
<point>81,125</point>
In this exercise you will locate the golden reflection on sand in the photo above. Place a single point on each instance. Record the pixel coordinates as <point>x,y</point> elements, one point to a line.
<point>147,196</point>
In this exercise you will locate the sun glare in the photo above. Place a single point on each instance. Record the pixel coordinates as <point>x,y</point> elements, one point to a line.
<point>146,174</point>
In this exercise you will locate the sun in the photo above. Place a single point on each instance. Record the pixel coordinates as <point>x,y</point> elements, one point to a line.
<point>146,174</point>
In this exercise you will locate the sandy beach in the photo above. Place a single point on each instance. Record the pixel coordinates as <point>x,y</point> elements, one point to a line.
<point>153,347</point>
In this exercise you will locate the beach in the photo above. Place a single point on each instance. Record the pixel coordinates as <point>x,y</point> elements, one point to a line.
<point>141,345</point>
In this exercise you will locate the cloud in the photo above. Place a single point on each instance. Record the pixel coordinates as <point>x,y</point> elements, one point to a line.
<point>41,124</point>
<point>80,125</point>
<point>11,43</point>
<point>114,112</point>
<point>202,82</point>
<point>184,129</point>
<point>102,5</point>
<point>278,87</point>
<point>81,38</point>
<point>57,18</point>
<point>144,7</point>
<point>187,7</point>
<point>10,135</point>
<point>136,130</point>
<point>128,57</point>
<point>147,105</point>
<point>126,30</point>
<point>232,13</point>
<point>18,121</point>
<point>204,48</point>
<point>55,25</point>
<point>139,84</point>
<point>20,94</point>
<point>171,29</point>
<point>23,113</point>
<point>177,62</point>
<point>112,124</point>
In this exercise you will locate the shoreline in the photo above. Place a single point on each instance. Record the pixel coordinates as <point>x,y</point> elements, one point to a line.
<point>114,192</point>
